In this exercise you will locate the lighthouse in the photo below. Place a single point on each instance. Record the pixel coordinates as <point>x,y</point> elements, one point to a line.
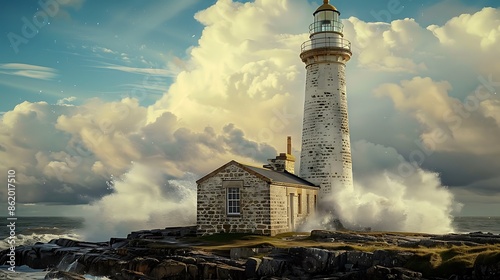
<point>325,158</point>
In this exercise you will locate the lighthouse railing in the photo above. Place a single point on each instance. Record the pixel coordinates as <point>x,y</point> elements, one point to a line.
<point>326,42</point>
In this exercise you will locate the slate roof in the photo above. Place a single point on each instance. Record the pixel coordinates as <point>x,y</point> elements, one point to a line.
<point>268,175</point>
<point>280,177</point>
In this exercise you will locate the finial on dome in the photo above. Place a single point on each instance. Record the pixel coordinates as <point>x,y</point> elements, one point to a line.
<point>325,1</point>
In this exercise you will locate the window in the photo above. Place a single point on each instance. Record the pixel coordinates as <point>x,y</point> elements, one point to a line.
<point>307,204</point>
<point>233,201</point>
<point>233,195</point>
<point>326,25</point>
<point>299,196</point>
<point>315,203</point>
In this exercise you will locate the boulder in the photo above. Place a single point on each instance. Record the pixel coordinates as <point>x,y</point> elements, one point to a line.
<point>126,274</point>
<point>192,271</point>
<point>272,267</point>
<point>251,267</point>
<point>314,260</point>
<point>64,242</point>
<point>487,266</point>
<point>143,264</point>
<point>169,269</point>
<point>362,260</point>
<point>378,272</point>
<point>209,270</point>
<point>225,271</point>
<point>390,258</point>
<point>244,253</point>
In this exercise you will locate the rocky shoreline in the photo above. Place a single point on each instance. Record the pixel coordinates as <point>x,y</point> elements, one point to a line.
<point>175,253</point>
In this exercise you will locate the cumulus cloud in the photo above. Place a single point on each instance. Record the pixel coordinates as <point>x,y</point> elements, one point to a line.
<point>249,74</point>
<point>448,124</point>
<point>66,101</point>
<point>78,148</point>
<point>240,93</point>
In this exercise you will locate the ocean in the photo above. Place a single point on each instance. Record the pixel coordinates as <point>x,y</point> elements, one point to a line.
<point>30,230</point>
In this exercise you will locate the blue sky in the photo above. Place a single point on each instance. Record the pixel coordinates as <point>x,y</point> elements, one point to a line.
<point>103,88</point>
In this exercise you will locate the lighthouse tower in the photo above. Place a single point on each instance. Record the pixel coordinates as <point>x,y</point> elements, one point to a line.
<point>326,152</point>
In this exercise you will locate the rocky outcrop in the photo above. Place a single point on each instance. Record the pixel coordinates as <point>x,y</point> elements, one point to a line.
<point>164,254</point>
<point>487,266</point>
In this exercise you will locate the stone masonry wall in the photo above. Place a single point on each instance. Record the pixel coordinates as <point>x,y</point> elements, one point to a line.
<point>254,204</point>
<point>279,213</point>
<point>280,207</point>
<point>326,152</point>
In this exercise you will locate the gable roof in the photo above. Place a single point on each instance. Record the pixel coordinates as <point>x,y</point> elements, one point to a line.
<point>268,175</point>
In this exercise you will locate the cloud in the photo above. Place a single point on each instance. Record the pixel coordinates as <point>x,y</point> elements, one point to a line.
<point>249,74</point>
<point>66,100</point>
<point>103,50</point>
<point>239,145</point>
<point>29,71</point>
<point>78,148</point>
<point>239,94</point>
<point>142,71</point>
<point>481,27</point>
<point>478,33</point>
<point>448,124</point>
<point>385,46</point>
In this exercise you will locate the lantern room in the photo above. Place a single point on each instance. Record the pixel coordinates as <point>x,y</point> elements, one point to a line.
<point>326,19</point>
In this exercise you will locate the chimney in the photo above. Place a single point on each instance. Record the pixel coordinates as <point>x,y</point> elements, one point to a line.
<point>285,161</point>
<point>289,145</point>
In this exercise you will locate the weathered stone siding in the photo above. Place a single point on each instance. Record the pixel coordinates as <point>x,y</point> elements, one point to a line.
<point>281,210</point>
<point>279,213</point>
<point>325,158</point>
<point>255,206</point>
<point>326,152</point>
<point>301,193</point>
<point>264,208</point>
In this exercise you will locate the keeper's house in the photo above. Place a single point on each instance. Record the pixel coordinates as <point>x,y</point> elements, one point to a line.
<point>247,199</point>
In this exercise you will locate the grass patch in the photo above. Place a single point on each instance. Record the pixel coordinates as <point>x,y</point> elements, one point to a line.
<point>457,259</point>
<point>425,263</point>
<point>489,258</point>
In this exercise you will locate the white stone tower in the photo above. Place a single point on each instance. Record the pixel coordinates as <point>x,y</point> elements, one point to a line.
<point>326,152</point>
